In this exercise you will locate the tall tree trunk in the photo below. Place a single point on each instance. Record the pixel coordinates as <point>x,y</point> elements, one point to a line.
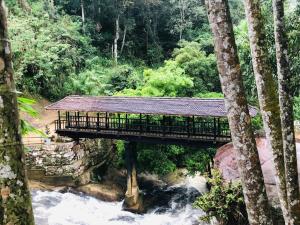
<point>82,15</point>
<point>15,200</point>
<point>287,118</point>
<point>116,39</point>
<point>182,18</point>
<point>267,95</point>
<point>238,113</point>
<point>124,39</point>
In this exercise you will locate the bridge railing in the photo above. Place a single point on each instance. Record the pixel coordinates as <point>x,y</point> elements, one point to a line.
<point>146,124</point>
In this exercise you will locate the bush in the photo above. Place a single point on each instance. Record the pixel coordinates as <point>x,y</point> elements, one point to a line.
<point>224,202</point>
<point>169,80</point>
<point>297,108</point>
<point>257,123</point>
<point>199,65</point>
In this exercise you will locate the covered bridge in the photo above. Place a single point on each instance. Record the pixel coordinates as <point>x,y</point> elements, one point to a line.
<point>144,119</point>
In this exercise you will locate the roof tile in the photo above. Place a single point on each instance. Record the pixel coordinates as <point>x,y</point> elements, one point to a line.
<point>145,105</point>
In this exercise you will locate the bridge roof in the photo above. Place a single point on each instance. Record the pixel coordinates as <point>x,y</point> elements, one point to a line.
<point>145,105</point>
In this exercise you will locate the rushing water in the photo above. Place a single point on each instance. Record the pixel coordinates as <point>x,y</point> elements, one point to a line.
<point>54,208</point>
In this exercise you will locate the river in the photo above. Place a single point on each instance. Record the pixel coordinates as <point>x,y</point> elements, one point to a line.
<point>175,208</point>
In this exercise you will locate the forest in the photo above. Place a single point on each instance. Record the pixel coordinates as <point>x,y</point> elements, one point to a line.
<point>133,48</point>
<point>158,48</point>
<point>130,48</point>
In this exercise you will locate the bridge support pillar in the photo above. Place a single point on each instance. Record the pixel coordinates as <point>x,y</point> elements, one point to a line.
<point>133,200</point>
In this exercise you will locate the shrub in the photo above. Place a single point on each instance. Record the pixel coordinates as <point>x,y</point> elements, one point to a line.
<point>224,202</point>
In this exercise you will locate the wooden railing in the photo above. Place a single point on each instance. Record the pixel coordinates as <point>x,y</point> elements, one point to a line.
<point>146,125</point>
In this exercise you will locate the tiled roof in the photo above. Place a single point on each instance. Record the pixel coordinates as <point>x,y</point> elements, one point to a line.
<point>145,105</point>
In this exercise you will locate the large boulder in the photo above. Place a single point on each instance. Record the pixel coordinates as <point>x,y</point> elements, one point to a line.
<point>226,161</point>
<point>67,163</point>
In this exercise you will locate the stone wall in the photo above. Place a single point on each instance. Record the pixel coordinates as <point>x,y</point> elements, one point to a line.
<point>69,161</point>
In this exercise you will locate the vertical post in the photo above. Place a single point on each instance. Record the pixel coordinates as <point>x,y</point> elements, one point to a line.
<point>147,123</point>
<point>119,121</point>
<point>219,127</point>
<point>98,122</point>
<point>68,119</point>
<point>194,125</point>
<point>215,128</point>
<point>78,120</point>
<point>163,125</point>
<point>170,124</point>
<point>141,126</point>
<point>188,126</point>
<point>106,121</point>
<point>59,120</point>
<point>87,120</point>
<point>126,121</point>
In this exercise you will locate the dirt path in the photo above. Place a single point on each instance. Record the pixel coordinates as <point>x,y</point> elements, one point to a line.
<point>45,118</point>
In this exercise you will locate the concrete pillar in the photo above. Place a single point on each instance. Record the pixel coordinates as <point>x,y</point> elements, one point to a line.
<point>133,199</point>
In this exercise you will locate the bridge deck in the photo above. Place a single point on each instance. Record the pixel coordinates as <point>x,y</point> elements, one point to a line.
<point>145,128</point>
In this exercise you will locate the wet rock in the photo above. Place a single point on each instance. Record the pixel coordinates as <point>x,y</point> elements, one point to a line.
<point>101,191</point>
<point>35,185</point>
<point>226,161</point>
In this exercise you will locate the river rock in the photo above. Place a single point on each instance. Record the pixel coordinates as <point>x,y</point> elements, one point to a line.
<point>226,161</point>
<point>104,192</point>
<point>35,185</point>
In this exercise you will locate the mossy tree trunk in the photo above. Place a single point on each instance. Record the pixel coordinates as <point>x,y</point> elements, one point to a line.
<point>15,200</point>
<point>267,95</point>
<point>287,118</point>
<point>238,113</point>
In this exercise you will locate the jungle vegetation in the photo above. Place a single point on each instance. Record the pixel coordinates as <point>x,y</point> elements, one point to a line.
<point>134,48</point>
<point>165,48</point>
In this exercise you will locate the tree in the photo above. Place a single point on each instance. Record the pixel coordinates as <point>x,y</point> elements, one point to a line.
<point>267,95</point>
<point>238,113</point>
<point>15,201</point>
<point>24,5</point>
<point>184,11</point>
<point>116,39</point>
<point>169,80</point>
<point>120,8</point>
<point>287,118</point>
<point>82,15</point>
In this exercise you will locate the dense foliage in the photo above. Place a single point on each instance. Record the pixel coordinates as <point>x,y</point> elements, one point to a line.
<point>163,159</point>
<point>55,54</point>
<point>132,47</point>
<point>46,53</point>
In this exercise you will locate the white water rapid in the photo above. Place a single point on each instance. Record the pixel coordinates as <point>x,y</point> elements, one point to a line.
<point>54,208</point>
